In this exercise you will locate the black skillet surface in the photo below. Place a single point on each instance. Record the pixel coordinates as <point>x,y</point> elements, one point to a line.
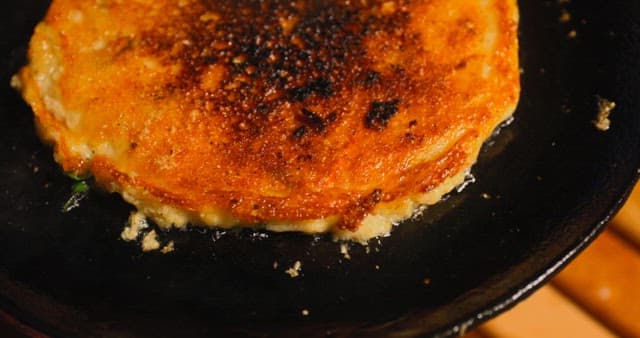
<point>552,181</point>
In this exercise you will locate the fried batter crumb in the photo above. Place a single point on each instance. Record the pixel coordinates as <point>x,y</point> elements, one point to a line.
<point>137,222</point>
<point>150,241</point>
<point>16,82</point>
<point>169,247</point>
<point>294,271</point>
<point>605,107</point>
<point>344,250</point>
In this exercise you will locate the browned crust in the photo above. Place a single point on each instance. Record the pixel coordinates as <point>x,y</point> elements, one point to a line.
<point>309,112</point>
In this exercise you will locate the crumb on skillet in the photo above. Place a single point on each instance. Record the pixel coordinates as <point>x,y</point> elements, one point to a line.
<point>605,107</point>
<point>150,241</point>
<point>294,271</point>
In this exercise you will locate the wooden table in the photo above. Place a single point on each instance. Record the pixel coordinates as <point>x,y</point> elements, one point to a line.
<point>597,295</point>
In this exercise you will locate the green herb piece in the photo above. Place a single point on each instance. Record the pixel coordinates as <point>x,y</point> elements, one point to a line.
<point>80,187</point>
<point>79,191</point>
<point>76,176</point>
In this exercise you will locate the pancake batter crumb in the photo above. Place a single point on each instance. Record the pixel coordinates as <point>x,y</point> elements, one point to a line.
<point>344,250</point>
<point>137,222</point>
<point>305,312</point>
<point>170,247</point>
<point>294,271</point>
<point>16,83</point>
<point>150,241</point>
<point>605,107</point>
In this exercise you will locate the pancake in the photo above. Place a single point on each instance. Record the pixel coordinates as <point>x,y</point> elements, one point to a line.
<point>315,116</point>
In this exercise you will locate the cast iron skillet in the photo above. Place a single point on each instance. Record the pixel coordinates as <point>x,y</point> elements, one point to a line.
<point>545,187</point>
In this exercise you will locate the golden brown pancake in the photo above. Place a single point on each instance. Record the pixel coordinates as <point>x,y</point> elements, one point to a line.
<point>339,116</point>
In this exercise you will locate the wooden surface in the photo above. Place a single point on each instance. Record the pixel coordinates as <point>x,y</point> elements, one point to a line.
<point>597,295</point>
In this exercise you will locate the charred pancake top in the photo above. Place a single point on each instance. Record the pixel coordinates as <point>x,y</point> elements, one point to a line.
<point>272,110</point>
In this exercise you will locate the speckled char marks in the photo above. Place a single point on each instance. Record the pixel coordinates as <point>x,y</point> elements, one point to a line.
<point>274,111</point>
<point>248,58</point>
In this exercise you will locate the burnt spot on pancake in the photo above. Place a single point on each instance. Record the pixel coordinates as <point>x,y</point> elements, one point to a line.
<point>300,132</point>
<point>292,51</point>
<point>369,78</point>
<point>381,113</point>
<point>320,86</point>
<point>332,117</point>
<point>313,120</point>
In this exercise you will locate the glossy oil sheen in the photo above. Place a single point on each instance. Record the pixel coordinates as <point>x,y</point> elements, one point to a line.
<point>544,188</point>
